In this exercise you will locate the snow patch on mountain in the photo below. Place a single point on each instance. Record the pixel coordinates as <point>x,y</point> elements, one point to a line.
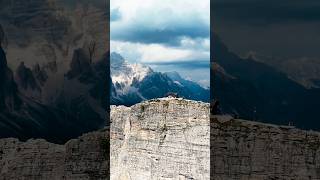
<point>124,74</point>
<point>133,83</point>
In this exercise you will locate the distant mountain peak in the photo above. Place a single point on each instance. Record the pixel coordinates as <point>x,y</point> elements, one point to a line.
<point>125,74</point>
<point>25,78</point>
<point>134,82</point>
<point>8,89</point>
<point>174,75</point>
<point>116,59</point>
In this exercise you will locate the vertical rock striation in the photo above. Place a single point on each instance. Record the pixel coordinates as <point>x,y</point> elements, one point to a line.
<point>168,139</point>
<point>255,151</point>
<point>58,51</point>
<point>79,159</point>
<point>165,138</point>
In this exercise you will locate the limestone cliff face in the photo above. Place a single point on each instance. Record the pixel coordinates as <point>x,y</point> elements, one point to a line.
<point>160,139</point>
<point>157,139</point>
<point>79,159</point>
<point>255,151</point>
<point>169,139</point>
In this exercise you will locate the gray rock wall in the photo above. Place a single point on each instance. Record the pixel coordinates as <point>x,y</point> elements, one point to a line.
<point>160,139</point>
<point>79,159</point>
<point>169,139</point>
<point>255,151</point>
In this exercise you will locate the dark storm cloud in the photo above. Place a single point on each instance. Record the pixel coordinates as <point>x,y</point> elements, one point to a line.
<point>266,11</point>
<point>141,33</point>
<point>196,64</point>
<point>170,33</point>
<point>281,28</point>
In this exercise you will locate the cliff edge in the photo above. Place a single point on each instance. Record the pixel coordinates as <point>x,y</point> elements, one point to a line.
<point>79,159</point>
<point>250,150</point>
<point>166,138</point>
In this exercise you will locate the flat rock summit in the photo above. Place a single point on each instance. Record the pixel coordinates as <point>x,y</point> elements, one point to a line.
<point>169,138</point>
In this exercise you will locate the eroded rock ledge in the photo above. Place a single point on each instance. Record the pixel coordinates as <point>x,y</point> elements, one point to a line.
<point>165,138</point>
<point>169,139</point>
<point>257,151</point>
<point>79,159</point>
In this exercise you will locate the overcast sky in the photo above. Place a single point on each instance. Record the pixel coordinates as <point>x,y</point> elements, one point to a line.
<point>280,28</point>
<point>167,35</point>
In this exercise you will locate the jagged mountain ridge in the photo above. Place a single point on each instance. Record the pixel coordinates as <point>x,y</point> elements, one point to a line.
<point>125,75</point>
<point>8,89</point>
<point>58,52</point>
<point>197,90</point>
<point>19,116</point>
<point>133,83</point>
<point>303,70</point>
<point>25,117</point>
<point>256,91</point>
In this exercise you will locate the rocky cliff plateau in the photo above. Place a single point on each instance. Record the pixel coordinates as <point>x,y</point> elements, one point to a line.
<point>168,138</point>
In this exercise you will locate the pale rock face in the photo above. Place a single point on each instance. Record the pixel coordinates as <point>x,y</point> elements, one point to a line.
<point>168,139</point>
<point>165,138</point>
